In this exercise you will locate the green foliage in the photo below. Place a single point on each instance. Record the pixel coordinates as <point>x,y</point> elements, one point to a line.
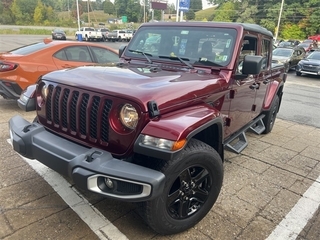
<point>108,7</point>
<point>190,15</point>
<point>293,31</point>
<point>38,16</point>
<point>226,13</point>
<point>299,19</point>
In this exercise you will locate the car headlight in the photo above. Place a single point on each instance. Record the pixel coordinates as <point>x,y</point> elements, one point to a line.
<point>284,61</point>
<point>129,116</point>
<point>44,92</point>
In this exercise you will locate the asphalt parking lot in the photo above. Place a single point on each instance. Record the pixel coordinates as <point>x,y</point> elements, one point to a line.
<point>271,191</point>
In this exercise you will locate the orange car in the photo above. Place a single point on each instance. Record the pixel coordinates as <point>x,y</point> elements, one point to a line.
<point>22,67</point>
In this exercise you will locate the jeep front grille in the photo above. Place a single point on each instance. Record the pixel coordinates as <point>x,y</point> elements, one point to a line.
<point>78,113</point>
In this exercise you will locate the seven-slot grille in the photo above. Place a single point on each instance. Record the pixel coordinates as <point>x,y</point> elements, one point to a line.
<point>78,113</point>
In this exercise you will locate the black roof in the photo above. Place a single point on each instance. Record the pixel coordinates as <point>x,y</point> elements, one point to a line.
<point>246,26</point>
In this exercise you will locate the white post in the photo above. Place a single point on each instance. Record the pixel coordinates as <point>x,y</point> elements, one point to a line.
<point>277,30</point>
<point>181,16</point>
<point>78,15</point>
<point>177,8</point>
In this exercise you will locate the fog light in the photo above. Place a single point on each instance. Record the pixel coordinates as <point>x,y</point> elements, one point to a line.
<point>108,183</point>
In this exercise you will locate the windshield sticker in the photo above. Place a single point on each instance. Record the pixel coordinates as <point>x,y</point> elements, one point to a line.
<point>228,43</point>
<point>182,48</point>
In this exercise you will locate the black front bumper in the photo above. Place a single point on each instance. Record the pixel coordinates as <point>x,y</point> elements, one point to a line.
<point>89,168</point>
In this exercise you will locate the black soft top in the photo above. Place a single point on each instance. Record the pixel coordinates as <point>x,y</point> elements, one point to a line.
<point>246,26</point>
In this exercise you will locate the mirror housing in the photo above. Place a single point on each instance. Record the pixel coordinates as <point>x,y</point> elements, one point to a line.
<point>121,50</point>
<point>252,64</point>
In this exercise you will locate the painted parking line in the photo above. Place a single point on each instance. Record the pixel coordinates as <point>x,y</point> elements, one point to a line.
<point>294,222</point>
<point>101,226</point>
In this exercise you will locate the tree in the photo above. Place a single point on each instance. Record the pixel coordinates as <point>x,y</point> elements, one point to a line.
<point>292,31</point>
<point>195,5</point>
<point>6,15</point>
<point>108,7</point>
<point>129,8</point>
<point>225,12</point>
<point>38,13</point>
<point>190,15</point>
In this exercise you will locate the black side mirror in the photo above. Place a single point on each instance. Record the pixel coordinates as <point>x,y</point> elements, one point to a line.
<point>252,64</point>
<point>121,50</point>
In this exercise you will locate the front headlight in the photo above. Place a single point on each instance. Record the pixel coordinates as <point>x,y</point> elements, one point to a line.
<point>284,61</point>
<point>129,116</point>
<point>44,92</point>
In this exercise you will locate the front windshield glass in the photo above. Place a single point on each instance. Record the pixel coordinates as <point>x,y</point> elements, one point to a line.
<point>314,55</point>
<point>195,45</point>
<point>282,52</point>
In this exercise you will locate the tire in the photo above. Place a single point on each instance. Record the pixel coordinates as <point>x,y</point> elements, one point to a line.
<point>298,73</point>
<point>183,191</point>
<point>271,115</point>
<point>287,68</point>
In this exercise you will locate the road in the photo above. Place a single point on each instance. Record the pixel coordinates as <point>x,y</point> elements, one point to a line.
<point>301,101</point>
<point>262,192</point>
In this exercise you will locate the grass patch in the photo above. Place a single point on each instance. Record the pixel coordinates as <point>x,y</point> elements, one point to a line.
<point>31,31</point>
<point>205,14</point>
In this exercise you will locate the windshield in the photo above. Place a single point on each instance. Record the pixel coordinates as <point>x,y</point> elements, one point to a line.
<point>314,55</point>
<point>189,45</point>
<point>282,52</point>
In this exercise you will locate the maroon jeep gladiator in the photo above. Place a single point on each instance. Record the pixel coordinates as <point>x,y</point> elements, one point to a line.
<point>153,128</point>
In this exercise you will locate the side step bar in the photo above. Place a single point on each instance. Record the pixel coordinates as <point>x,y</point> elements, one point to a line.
<point>238,142</point>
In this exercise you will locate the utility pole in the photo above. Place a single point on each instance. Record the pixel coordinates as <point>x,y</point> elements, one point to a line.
<point>78,15</point>
<point>277,30</point>
<point>88,12</point>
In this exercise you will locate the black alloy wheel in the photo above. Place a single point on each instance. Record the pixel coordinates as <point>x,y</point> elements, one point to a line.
<point>193,183</point>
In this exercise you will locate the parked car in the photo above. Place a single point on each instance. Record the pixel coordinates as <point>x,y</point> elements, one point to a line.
<point>309,65</point>
<point>104,32</point>
<point>307,46</point>
<point>289,57</point>
<point>119,35</point>
<point>88,34</point>
<point>290,43</point>
<point>59,34</point>
<point>22,67</point>
<point>153,129</point>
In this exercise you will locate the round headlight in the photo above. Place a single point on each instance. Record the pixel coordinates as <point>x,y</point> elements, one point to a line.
<point>44,92</point>
<point>129,116</point>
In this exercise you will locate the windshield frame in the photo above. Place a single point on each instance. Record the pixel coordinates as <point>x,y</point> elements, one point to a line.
<point>185,43</point>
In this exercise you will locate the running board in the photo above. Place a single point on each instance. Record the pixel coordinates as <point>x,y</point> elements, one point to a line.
<point>239,142</point>
<point>258,127</point>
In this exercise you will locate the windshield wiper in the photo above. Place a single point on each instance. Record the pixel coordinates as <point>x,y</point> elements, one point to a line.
<point>143,53</point>
<point>182,60</point>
